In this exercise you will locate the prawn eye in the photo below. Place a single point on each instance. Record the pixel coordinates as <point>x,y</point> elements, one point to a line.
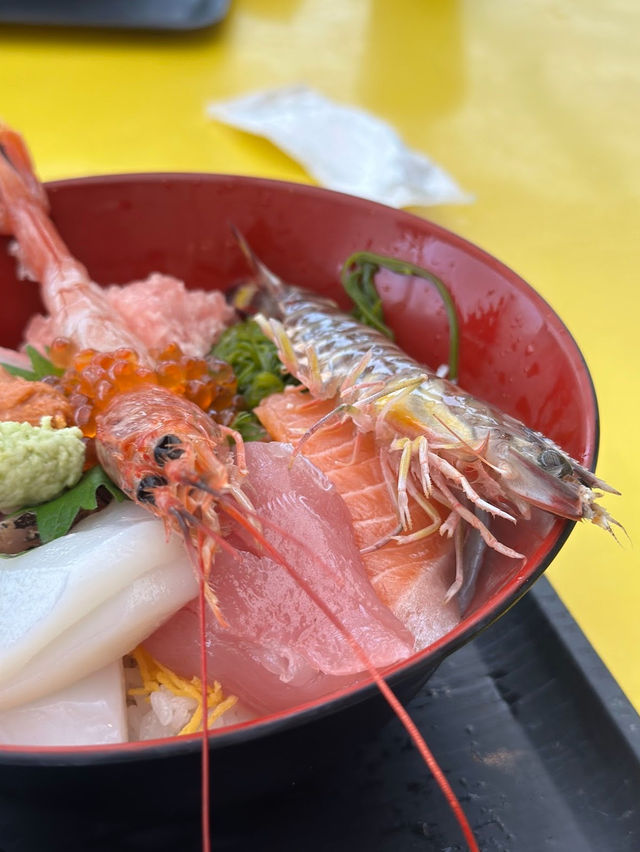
<point>554,462</point>
<point>167,448</point>
<point>146,487</point>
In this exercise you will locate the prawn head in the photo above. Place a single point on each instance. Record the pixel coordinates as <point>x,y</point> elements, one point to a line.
<point>169,456</point>
<point>505,460</point>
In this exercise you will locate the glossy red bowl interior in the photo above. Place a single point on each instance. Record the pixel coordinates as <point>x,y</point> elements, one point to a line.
<point>515,352</point>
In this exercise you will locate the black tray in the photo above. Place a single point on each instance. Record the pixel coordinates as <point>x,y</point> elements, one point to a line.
<point>534,735</point>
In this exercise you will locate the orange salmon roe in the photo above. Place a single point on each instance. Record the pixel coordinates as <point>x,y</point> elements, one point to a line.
<point>92,379</point>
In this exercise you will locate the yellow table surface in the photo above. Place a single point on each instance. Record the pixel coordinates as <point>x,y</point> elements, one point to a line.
<point>534,106</point>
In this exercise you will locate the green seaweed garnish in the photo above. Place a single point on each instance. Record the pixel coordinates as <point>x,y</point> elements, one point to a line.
<point>249,427</point>
<point>255,361</point>
<point>55,517</point>
<point>258,371</point>
<point>358,279</point>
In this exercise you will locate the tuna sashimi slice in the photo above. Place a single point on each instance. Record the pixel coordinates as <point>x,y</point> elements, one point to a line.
<point>278,648</point>
<point>411,578</point>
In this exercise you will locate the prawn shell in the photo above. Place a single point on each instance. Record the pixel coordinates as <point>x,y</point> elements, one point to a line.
<point>134,427</point>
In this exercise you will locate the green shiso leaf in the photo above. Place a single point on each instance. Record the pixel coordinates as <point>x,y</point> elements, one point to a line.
<point>55,518</point>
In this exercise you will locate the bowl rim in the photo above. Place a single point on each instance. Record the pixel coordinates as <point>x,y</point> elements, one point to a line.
<point>433,655</point>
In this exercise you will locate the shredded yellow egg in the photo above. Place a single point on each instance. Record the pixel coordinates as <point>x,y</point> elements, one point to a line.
<point>154,675</point>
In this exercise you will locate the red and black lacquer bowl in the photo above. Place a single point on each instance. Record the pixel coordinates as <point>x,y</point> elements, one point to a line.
<point>515,352</point>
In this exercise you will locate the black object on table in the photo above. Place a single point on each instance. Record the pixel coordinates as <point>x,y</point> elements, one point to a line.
<point>121,14</point>
<point>534,735</point>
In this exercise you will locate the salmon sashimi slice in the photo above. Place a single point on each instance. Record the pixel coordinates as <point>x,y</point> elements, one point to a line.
<point>411,578</point>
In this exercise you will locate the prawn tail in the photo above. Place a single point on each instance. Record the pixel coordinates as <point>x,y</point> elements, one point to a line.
<point>17,177</point>
<point>78,309</point>
<point>264,279</point>
<point>263,297</point>
<point>24,212</point>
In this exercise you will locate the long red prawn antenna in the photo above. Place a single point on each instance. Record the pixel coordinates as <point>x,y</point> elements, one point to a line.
<point>205,810</point>
<point>386,691</point>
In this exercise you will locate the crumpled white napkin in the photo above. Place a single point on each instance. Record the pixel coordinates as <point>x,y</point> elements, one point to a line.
<point>343,148</point>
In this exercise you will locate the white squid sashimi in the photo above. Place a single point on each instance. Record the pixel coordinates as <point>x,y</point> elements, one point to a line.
<point>74,605</point>
<point>89,712</point>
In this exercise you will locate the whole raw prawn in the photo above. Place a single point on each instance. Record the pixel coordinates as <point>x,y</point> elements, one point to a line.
<point>438,441</point>
<point>161,449</point>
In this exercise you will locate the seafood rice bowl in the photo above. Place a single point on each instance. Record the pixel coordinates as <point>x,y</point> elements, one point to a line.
<point>514,353</point>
